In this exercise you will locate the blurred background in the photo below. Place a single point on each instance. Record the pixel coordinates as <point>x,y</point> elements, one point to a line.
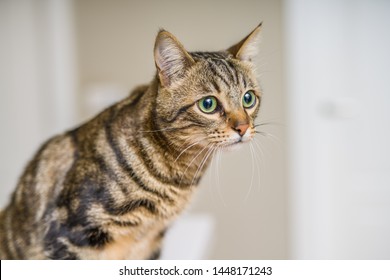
<point>317,186</point>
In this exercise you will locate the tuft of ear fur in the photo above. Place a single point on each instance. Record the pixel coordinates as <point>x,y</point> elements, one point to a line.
<point>172,60</point>
<point>248,47</point>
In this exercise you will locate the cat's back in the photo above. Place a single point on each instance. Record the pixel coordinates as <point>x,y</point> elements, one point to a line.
<point>51,180</point>
<point>46,173</point>
<point>37,189</point>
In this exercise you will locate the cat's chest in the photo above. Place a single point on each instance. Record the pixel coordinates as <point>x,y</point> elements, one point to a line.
<point>127,247</point>
<point>138,243</point>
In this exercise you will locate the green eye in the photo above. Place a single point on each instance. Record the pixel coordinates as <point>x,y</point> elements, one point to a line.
<point>208,104</point>
<point>249,99</point>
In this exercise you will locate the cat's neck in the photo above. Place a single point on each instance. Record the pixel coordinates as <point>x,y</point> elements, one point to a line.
<point>184,161</point>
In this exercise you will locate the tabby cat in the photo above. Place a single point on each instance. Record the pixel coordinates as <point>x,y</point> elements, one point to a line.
<point>110,188</point>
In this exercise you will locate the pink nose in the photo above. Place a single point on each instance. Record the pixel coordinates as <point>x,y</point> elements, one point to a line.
<point>241,128</point>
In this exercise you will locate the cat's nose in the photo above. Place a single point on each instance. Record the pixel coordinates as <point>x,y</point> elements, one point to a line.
<point>241,128</point>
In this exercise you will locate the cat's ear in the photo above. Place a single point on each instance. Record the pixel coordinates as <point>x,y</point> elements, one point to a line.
<point>247,48</point>
<point>172,60</point>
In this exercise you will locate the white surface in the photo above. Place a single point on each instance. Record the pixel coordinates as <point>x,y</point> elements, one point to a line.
<point>338,65</point>
<point>189,238</point>
<point>189,269</point>
<point>37,86</point>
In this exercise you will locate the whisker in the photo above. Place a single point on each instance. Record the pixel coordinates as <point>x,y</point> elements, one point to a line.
<point>212,180</point>
<point>204,160</point>
<point>193,144</point>
<point>253,172</point>
<point>172,128</point>
<point>190,139</point>
<point>158,130</point>
<point>258,160</point>
<point>191,163</point>
<point>259,147</point>
<point>219,151</point>
<point>269,123</point>
<point>270,135</point>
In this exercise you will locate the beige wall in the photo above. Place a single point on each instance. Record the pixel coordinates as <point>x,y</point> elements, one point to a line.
<point>115,41</point>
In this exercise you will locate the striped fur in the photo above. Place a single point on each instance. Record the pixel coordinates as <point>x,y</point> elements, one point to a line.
<point>110,188</point>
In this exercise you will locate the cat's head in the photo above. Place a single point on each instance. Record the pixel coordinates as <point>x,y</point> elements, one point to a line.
<point>208,98</point>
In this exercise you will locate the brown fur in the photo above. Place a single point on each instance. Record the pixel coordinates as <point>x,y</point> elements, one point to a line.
<point>110,188</point>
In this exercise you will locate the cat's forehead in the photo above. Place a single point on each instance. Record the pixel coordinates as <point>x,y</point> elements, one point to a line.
<point>219,72</point>
<point>210,55</point>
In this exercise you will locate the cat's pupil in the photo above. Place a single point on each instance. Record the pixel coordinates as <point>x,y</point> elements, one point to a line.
<point>248,98</point>
<point>207,103</point>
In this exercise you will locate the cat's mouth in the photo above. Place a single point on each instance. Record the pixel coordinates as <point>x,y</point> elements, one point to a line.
<point>234,144</point>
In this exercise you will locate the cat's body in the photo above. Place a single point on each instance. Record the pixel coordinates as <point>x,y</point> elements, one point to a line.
<point>110,188</point>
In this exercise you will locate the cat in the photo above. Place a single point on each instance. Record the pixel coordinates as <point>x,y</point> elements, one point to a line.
<point>110,188</point>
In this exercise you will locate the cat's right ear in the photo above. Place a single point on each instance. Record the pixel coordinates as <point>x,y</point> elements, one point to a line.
<point>171,59</point>
<point>247,48</point>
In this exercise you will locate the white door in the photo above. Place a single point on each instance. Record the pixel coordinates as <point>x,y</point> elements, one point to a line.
<point>338,89</point>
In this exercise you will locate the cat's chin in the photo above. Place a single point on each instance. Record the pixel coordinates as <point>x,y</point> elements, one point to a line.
<point>233,147</point>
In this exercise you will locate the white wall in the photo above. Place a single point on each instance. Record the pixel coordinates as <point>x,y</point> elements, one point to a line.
<point>37,86</point>
<point>338,97</point>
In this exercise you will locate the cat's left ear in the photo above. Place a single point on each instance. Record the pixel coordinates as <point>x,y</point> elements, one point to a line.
<point>172,60</point>
<point>247,48</point>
